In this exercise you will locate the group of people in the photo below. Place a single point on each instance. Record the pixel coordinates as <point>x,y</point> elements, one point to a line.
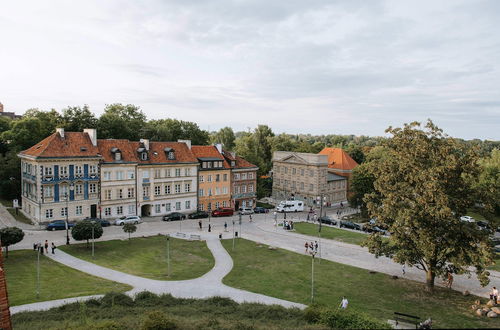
<point>288,225</point>
<point>310,246</point>
<point>44,248</point>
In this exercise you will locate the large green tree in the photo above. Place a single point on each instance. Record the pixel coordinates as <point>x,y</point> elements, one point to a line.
<point>75,119</point>
<point>226,137</point>
<point>488,184</point>
<point>173,129</point>
<point>121,122</point>
<point>421,190</point>
<point>83,231</point>
<point>49,120</point>
<point>10,236</point>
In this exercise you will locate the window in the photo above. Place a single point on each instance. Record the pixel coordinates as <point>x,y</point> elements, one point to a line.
<point>167,207</point>
<point>171,155</point>
<point>157,208</point>
<point>224,190</point>
<point>243,189</point>
<point>157,174</point>
<point>209,207</point>
<point>107,175</point>
<point>93,188</point>
<point>130,175</point>
<point>202,179</point>
<point>63,171</point>
<point>144,156</point>
<point>93,169</point>
<point>236,189</point>
<point>167,173</point>
<point>107,211</point>
<point>79,210</point>
<point>187,187</point>
<point>217,191</point>
<point>217,204</point>
<point>119,210</point>
<point>217,177</point>
<point>233,163</point>
<point>250,176</point>
<point>243,176</point>
<point>119,175</point>
<point>49,213</point>
<point>187,171</point>
<point>293,184</point>
<point>64,211</point>
<point>201,207</point>
<point>236,176</point>
<point>178,206</point>
<point>302,186</point>
<point>204,165</point>
<point>47,191</point>
<point>130,192</point>
<point>120,193</point>
<point>209,191</point>
<point>145,191</point>
<point>177,188</point>
<point>249,203</point>
<point>47,171</point>
<point>107,194</point>
<point>209,164</point>
<point>250,188</point>
<point>302,171</point>
<point>209,178</point>
<point>224,204</point>
<point>294,171</point>
<point>286,170</point>
<point>145,174</point>
<point>177,172</point>
<point>131,209</point>
<point>78,170</point>
<point>63,190</point>
<point>188,205</point>
<point>225,177</point>
<point>157,190</point>
<point>311,173</point>
<point>118,156</point>
<point>167,189</point>
<point>200,192</point>
<point>79,189</point>
<point>311,186</point>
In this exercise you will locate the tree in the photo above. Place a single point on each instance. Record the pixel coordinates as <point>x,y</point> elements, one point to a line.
<point>173,129</point>
<point>226,137</point>
<point>10,175</point>
<point>488,184</point>
<point>10,236</point>
<point>75,119</point>
<point>361,185</point>
<point>121,122</point>
<point>25,133</point>
<point>49,120</point>
<point>129,228</point>
<point>83,230</point>
<point>421,190</point>
<point>356,153</point>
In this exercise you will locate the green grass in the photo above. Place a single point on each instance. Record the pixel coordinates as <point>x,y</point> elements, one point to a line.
<point>5,202</point>
<point>147,257</point>
<point>341,235</point>
<point>56,280</point>
<point>496,266</point>
<point>19,216</point>
<point>265,205</point>
<point>287,275</point>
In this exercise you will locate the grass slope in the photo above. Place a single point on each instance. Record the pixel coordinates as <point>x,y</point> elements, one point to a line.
<point>147,257</point>
<point>56,280</point>
<point>287,275</point>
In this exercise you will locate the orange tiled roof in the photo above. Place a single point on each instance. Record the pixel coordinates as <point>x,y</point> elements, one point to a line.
<point>127,153</point>
<point>157,153</point>
<point>74,144</point>
<point>240,161</point>
<point>209,152</point>
<point>338,159</point>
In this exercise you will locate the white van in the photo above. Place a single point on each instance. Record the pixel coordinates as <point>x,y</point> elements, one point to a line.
<point>290,206</point>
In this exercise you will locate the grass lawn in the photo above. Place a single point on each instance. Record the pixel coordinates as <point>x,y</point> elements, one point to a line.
<point>341,235</point>
<point>5,202</point>
<point>496,266</point>
<point>147,257</point>
<point>19,217</point>
<point>56,280</point>
<point>287,275</point>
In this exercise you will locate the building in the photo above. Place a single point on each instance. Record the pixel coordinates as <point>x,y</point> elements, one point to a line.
<point>214,178</point>
<point>305,176</point>
<point>11,115</point>
<point>74,175</point>
<point>243,181</point>
<point>340,163</point>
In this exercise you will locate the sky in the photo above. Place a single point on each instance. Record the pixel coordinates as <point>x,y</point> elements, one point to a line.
<point>317,67</point>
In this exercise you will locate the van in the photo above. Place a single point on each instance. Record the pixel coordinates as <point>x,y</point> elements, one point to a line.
<point>222,212</point>
<point>290,206</point>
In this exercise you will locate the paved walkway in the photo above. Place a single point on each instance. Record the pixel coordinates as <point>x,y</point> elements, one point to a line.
<point>7,220</point>
<point>208,285</point>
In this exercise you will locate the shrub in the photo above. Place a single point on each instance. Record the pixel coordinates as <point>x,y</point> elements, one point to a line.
<point>221,302</point>
<point>312,314</point>
<point>167,299</point>
<point>93,302</point>
<point>146,298</point>
<point>343,319</point>
<point>157,320</point>
<point>107,325</point>
<point>116,298</point>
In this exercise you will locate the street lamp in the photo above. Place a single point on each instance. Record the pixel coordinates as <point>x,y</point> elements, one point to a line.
<point>233,234</point>
<point>71,188</point>
<point>239,216</point>
<point>93,239</point>
<point>313,253</point>
<point>168,255</point>
<point>209,205</point>
<point>38,271</point>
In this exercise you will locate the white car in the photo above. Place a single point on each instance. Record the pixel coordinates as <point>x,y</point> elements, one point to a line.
<point>129,219</point>
<point>467,218</point>
<point>246,210</point>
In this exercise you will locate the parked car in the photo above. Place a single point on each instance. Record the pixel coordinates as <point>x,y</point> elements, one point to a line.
<point>223,212</point>
<point>260,209</point>
<point>128,219</point>
<point>374,229</point>
<point>246,210</point>
<point>198,215</point>
<point>174,216</point>
<point>350,225</point>
<point>104,223</point>
<point>328,221</point>
<point>467,218</point>
<point>58,225</point>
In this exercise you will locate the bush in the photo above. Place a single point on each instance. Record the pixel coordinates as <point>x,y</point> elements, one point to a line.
<point>93,302</point>
<point>157,320</point>
<point>107,325</point>
<point>222,302</point>
<point>146,298</point>
<point>312,314</point>
<point>343,319</point>
<point>116,298</point>
<point>167,299</point>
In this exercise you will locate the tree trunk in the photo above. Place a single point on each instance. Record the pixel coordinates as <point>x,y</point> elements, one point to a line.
<point>430,277</point>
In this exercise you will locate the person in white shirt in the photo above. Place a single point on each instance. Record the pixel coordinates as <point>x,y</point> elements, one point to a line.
<point>494,295</point>
<point>344,303</point>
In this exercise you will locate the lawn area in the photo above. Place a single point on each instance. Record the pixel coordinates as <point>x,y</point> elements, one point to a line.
<point>19,216</point>
<point>147,257</point>
<point>341,235</point>
<point>56,280</point>
<point>287,275</point>
<point>5,202</point>
<point>496,266</point>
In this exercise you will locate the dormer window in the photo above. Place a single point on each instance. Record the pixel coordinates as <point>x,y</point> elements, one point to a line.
<point>233,163</point>
<point>170,153</point>
<point>144,156</point>
<point>117,153</point>
<point>118,156</point>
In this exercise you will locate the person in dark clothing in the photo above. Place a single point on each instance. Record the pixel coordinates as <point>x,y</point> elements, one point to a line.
<point>53,247</point>
<point>199,224</point>
<point>46,246</point>
<point>209,228</point>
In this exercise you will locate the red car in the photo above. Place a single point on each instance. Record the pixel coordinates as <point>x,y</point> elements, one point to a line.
<point>222,212</point>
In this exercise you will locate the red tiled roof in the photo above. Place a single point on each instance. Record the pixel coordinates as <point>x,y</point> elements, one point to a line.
<point>243,163</point>
<point>127,152</point>
<point>74,144</point>
<point>339,159</point>
<point>157,153</point>
<point>209,152</point>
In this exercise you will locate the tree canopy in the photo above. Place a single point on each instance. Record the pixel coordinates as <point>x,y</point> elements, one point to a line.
<point>121,122</point>
<point>129,228</point>
<point>10,236</point>
<point>83,230</point>
<point>226,137</point>
<point>421,190</point>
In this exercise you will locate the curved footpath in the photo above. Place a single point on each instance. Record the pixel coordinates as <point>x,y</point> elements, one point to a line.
<point>208,285</point>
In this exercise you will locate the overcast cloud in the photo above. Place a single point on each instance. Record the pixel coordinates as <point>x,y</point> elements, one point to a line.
<point>319,67</point>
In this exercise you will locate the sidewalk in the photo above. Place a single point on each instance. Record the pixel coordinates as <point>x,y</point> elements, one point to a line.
<point>7,220</point>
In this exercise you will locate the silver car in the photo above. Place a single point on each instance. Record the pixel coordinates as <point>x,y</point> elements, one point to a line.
<point>246,210</point>
<point>128,219</point>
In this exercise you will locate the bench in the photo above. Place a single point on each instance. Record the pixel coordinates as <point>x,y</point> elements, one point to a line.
<point>180,234</point>
<point>196,237</point>
<point>406,318</point>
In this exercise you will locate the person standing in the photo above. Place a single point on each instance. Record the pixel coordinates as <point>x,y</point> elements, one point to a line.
<point>344,303</point>
<point>46,246</point>
<point>306,246</point>
<point>209,228</point>
<point>316,246</point>
<point>404,269</point>
<point>225,226</point>
<point>250,216</point>
<point>199,224</point>
<point>449,281</point>
<point>494,295</point>
<point>53,247</point>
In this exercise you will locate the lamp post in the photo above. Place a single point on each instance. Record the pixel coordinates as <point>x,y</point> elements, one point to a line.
<point>168,255</point>
<point>313,253</point>
<point>71,187</point>
<point>93,239</point>
<point>38,271</point>
<point>209,205</point>
<point>233,234</point>
<point>239,217</point>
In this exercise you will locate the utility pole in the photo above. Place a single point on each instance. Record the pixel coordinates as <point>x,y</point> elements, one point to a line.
<point>313,253</point>
<point>168,255</point>
<point>233,234</point>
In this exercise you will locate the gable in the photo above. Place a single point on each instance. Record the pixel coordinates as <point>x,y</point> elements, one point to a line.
<point>293,159</point>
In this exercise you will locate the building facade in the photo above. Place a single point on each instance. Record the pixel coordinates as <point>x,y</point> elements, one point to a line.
<point>243,181</point>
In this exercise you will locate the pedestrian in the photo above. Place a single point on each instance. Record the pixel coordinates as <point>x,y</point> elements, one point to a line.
<point>291,225</point>
<point>494,295</point>
<point>341,204</point>
<point>40,248</point>
<point>449,281</point>
<point>344,303</point>
<point>307,216</point>
<point>316,246</point>
<point>209,228</point>
<point>250,217</point>
<point>403,269</point>
<point>199,224</point>
<point>306,246</point>
<point>311,246</point>
<point>35,246</point>
<point>225,226</point>
<point>46,246</point>
<point>53,247</point>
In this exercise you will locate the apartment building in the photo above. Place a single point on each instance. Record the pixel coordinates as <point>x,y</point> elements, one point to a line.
<point>243,181</point>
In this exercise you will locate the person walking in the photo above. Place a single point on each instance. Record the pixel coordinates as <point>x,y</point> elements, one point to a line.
<point>53,247</point>
<point>199,224</point>
<point>225,226</point>
<point>449,281</point>
<point>316,246</point>
<point>46,246</point>
<point>344,303</point>
<point>250,216</point>
<point>306,246</point>
<point>209,228</point>
<point>40,248</point>
<point>494,295</point>
<point>404,269</point>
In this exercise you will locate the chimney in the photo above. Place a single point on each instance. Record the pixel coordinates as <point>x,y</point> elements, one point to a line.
<point>233,154</point>
<point>219,147</point>
<point>187,142</point>
<point>92,132</point>
<point>1,107</point>
<point>60,131</point>
<point>146,143</point>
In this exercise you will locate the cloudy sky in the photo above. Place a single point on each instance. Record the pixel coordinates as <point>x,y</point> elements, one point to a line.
<point>319,67</point>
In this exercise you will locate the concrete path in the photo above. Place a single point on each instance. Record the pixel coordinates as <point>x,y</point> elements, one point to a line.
<point>7,220</point>
<point>208,285</point>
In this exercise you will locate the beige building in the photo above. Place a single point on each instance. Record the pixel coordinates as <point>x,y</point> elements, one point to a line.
<point>305,176</point>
